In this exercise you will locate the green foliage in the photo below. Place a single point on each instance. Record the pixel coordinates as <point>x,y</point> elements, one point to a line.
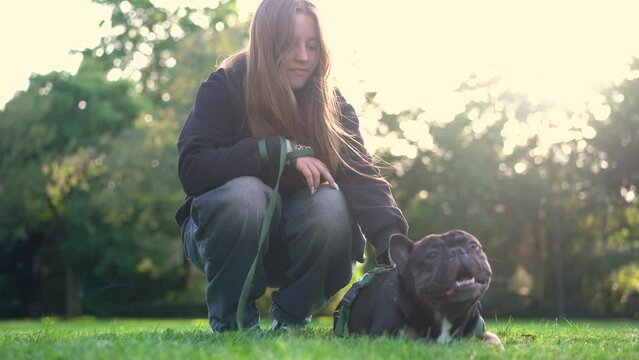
<point>149,41</point>
<point>53,136</point>
<point>548,209</point>
<point>89,188</point>
<point>88,178</point>
<point>48,183</point>
<point>618,135</point>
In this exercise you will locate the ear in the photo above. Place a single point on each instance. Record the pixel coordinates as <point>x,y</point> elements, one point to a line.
<point>399,249</point>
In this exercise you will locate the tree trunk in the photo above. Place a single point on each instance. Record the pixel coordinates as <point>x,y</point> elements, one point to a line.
<point>73,285</point>
<point>559,266</point>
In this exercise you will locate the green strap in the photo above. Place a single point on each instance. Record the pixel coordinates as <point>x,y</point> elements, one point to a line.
<point>341,325</point>
<point>369,276</point>
<point>480,327</point>
<point>261,146</point>
<point>301,152</point>
<point>297,152</point>
<point>477,331</point>
<point>340,329</point>
<point>266,224</point>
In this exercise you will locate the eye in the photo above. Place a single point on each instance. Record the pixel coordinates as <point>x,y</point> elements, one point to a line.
<point>432,254</point>
<point>474,246</point>
<point>313,45</point>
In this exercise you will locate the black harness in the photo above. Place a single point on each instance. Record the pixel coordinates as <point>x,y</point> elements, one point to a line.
<point>343,311</point>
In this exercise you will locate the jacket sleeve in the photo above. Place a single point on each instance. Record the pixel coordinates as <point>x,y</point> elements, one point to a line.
<point>369,200</point>
<point>210,153</point>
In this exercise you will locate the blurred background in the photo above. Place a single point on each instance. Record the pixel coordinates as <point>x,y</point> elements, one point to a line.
<point>516,121</point>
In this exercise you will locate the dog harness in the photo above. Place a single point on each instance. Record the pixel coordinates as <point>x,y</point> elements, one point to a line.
<point>342,313</point>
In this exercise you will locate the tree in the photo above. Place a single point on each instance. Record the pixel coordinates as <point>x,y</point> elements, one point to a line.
<point>98,182</point>
<point>532,181</point>
<point>56,134</point>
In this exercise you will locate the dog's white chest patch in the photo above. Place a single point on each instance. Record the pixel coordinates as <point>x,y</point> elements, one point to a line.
<point>445,336</point>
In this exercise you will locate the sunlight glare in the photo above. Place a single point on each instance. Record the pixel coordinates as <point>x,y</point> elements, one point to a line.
<point>599,108</point>
<point>414,56</point>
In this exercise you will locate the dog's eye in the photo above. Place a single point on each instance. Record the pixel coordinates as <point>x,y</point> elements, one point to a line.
<point>431,254</point>
<point>474,246</point>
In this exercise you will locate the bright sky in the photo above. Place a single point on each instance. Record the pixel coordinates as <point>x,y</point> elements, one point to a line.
<point>413,53</point>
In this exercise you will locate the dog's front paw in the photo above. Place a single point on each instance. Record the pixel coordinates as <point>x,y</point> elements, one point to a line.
<point>410,333</point>
<point>492,339</point>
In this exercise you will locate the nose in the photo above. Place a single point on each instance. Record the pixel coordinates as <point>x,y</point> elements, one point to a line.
<point>301,54</point>
<point>456,251</point>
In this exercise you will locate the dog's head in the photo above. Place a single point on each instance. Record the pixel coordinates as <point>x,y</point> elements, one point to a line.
<point>443,271</point>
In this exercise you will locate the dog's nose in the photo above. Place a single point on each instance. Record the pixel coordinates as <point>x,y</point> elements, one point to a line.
<point>456,251</point>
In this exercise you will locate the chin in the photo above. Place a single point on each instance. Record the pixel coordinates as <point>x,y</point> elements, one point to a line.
<point>297,83</point>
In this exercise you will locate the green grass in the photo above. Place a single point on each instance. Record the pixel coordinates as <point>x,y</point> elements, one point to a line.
<point>87,338</point>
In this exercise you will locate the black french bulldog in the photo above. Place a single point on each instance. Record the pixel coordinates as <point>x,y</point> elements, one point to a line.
<point>432,291</point>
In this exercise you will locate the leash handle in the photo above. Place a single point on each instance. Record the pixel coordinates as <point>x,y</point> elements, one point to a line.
<point>266,224</point>
<point>297,152</point>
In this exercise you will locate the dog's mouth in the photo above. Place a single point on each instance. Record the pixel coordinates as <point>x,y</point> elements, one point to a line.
<point>464,284</point>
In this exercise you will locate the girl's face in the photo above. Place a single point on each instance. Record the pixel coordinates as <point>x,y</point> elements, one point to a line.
<point>301,59</point>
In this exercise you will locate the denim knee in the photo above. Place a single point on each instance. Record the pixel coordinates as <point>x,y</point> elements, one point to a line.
<point>240,201</point>
<point>318,233</point>
<point>331,217</point>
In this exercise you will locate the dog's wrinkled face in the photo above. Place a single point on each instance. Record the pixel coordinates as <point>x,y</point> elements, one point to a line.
<point>443,270</point>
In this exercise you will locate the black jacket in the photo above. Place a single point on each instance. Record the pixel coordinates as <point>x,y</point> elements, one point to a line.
<point>215,146</point>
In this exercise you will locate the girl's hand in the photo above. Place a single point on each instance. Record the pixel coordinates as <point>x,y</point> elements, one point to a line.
<point>313,170</point>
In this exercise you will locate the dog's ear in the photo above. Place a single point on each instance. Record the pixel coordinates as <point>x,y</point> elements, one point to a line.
<point>399,249</point>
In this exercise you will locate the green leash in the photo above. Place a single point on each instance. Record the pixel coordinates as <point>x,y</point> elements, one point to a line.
<point>298,151</point>
<point>266,224</point>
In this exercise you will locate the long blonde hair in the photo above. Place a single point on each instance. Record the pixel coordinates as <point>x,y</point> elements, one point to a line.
<point>310,117</point>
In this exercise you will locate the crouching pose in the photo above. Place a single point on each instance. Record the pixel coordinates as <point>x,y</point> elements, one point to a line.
<point>266,128</point>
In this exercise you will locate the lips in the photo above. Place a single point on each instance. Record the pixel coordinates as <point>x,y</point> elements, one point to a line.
<point>299,72</point>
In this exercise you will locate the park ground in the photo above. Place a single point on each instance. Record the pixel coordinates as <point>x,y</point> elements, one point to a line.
<point>90,338</point>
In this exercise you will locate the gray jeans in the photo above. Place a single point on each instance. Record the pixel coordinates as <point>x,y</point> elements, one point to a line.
<point>307,256</point>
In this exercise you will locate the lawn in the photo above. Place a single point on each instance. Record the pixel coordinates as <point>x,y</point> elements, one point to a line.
<point>87,338</point>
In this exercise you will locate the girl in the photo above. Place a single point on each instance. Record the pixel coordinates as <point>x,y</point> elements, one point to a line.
<point>272,98</point>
